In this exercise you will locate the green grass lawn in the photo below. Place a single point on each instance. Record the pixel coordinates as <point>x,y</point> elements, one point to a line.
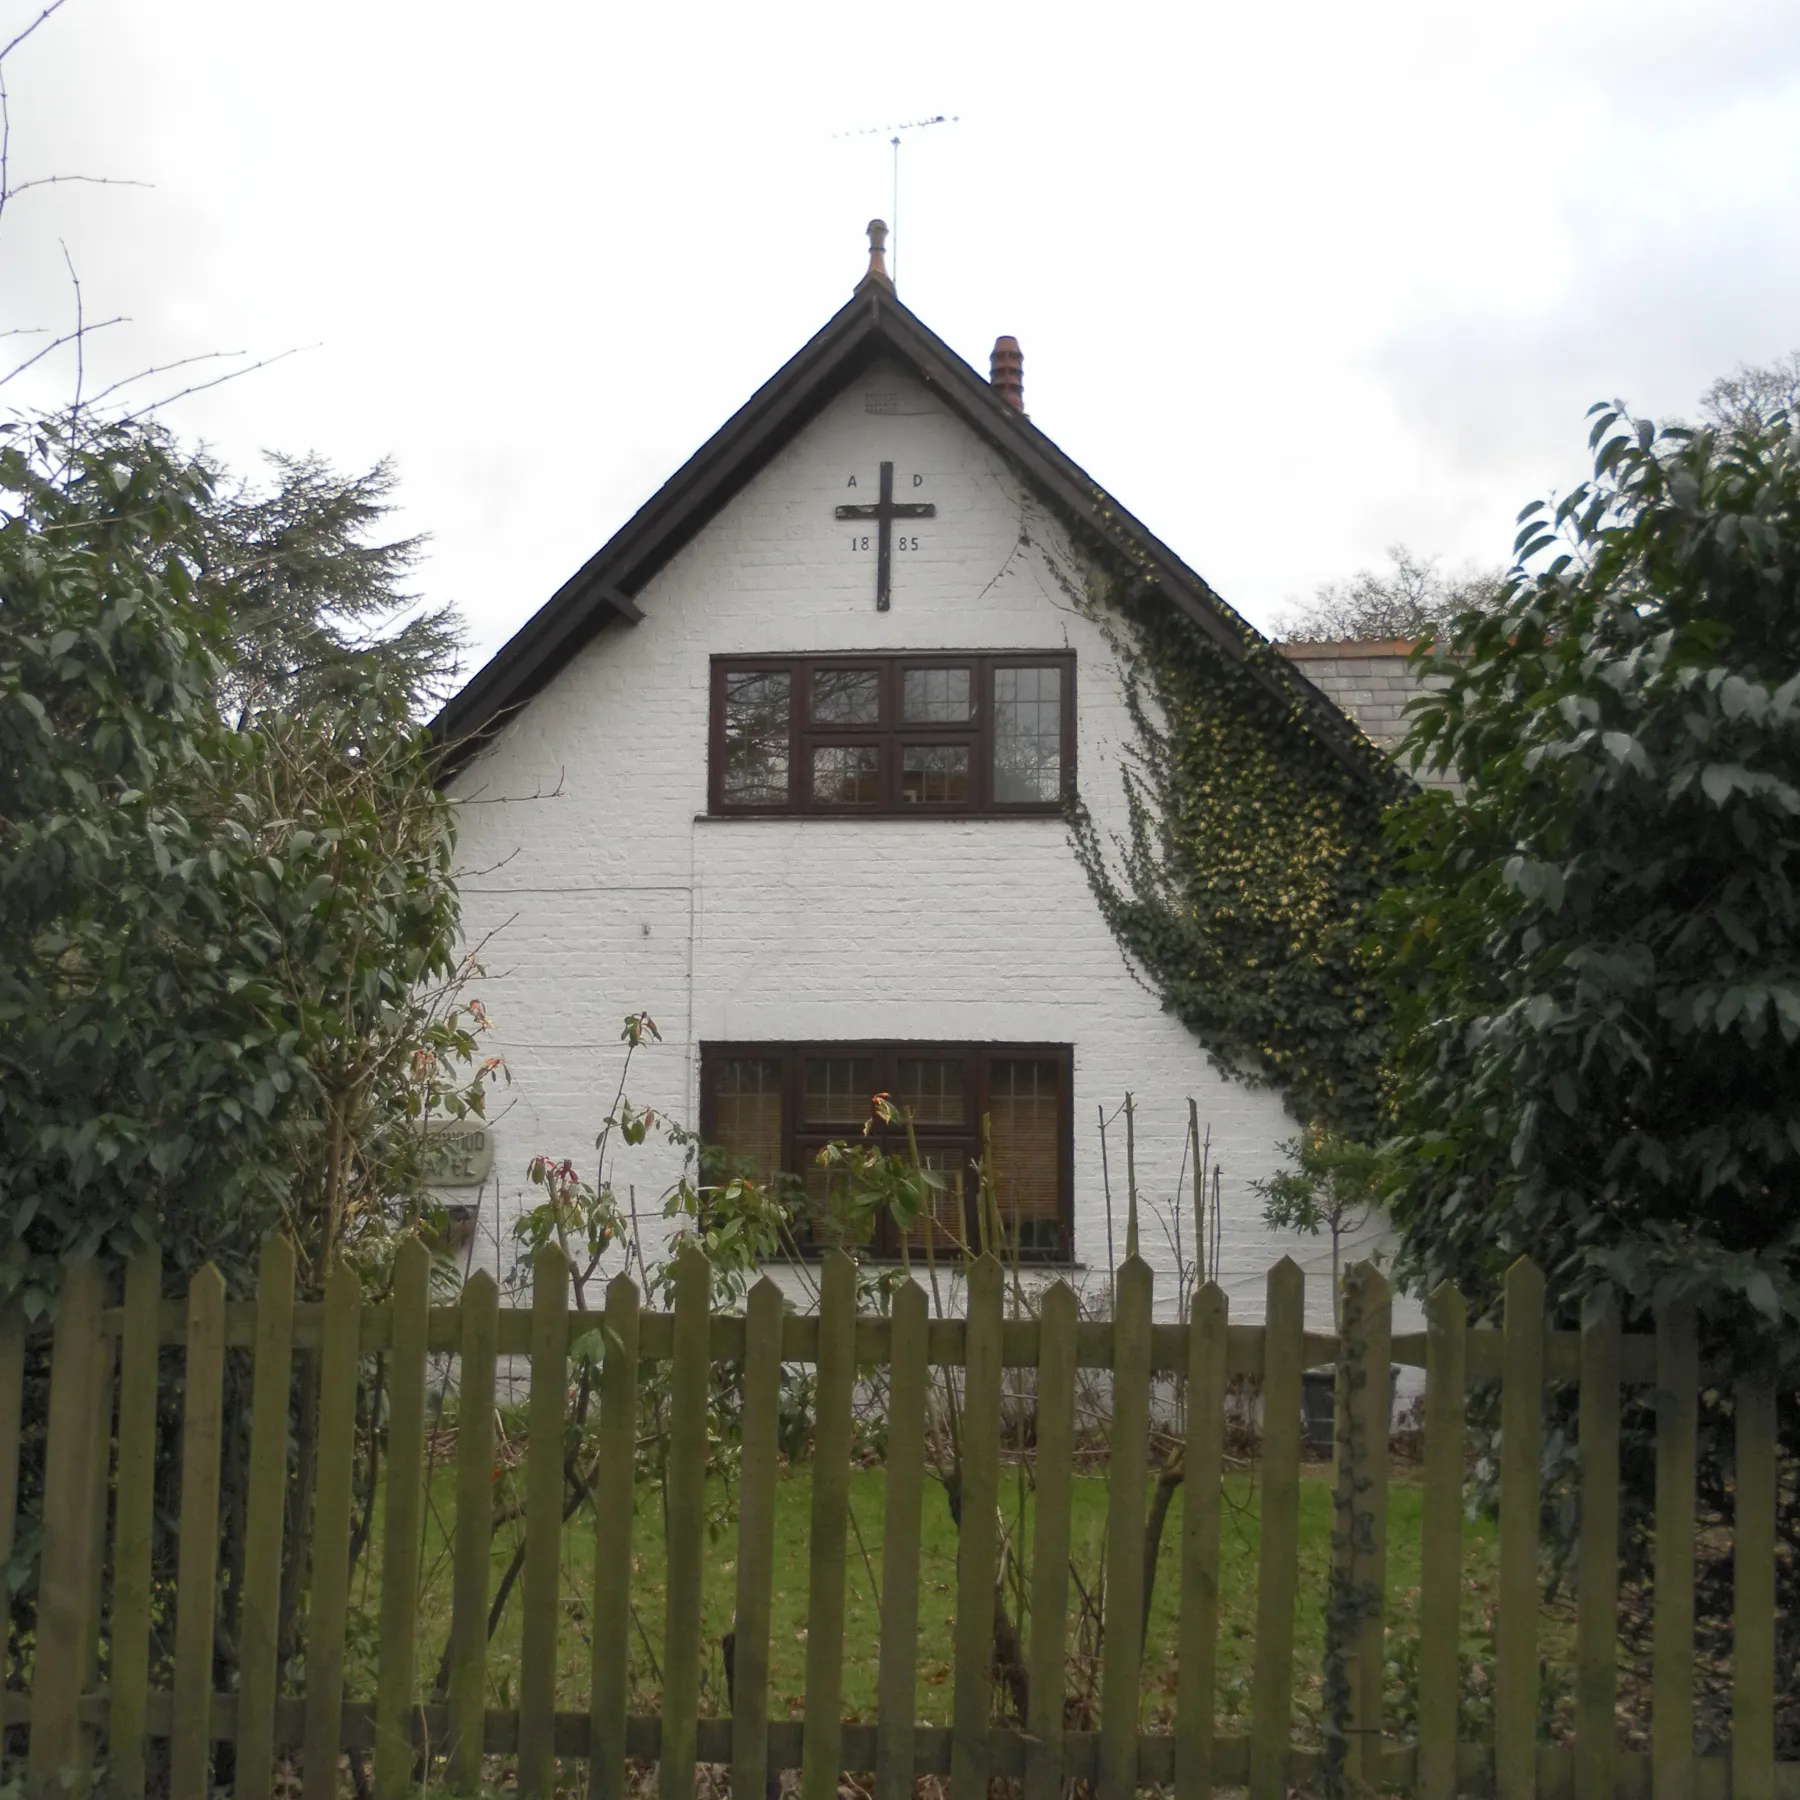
<point>937,1607</point>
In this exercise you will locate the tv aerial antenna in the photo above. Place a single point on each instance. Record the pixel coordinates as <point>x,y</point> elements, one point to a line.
<point>894,134</point>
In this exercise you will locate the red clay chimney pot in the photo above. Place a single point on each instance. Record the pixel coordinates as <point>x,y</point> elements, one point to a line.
<point>1006,372</point>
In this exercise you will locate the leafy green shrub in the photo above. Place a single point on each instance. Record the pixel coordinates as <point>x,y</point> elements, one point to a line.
<point>229,967</point>
<point>1596,953</point>
<point>1598,949</point>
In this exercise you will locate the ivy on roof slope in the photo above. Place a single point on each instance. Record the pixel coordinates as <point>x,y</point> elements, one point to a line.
<point>1244,884</point>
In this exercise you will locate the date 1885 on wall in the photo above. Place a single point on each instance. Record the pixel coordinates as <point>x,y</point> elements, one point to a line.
<point>884,512</point>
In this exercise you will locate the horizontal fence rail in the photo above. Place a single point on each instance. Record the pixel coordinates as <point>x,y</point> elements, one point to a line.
<point>1020,1341</point>
<point>98,1442</point>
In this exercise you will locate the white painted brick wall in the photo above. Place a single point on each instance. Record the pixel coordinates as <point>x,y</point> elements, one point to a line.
<point>596,886</point>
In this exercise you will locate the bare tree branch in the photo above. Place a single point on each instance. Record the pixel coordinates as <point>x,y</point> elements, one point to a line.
<point>78,336</point>
<point>5,135</point>
<point>80,331</point>
<point>180,362</point>
<point>91,180</point>
<point>5,106</point>
<point>478,798</point>
<point>68,337</point>
<point>29,29</point>
<point>200,387</point>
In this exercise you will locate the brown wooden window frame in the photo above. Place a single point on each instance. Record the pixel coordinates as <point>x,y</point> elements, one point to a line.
<point>801,1139</point>
<point>891,735</point>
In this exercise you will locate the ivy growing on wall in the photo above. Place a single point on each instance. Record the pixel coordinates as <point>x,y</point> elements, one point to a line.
<point>1243,883</point>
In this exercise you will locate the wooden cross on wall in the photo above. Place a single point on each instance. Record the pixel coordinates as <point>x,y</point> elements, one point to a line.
<point>884,512</point>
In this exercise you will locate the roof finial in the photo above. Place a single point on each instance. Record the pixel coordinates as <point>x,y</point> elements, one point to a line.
<point>878,269</point>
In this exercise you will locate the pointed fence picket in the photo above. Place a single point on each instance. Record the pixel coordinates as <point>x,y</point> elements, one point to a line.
<point>685,1514</point>
<point>1672,1648</point>
<point>1440,1548</point>
<point>96,1459</point>
<point>907,1376</point>
<point>1050,1547</point>
<point>1753,1592</point>
<point>402,1525</point>
<point>977,1535</point>
<point>128,1675</point>
<point>1597,1573</point>
<point>1123,1653</point>
<point>1203,1468</point>
<point>1516,1618</point>
<point>259,1619</point>
<point>328,1612</point>
<point>615,1493</point>
<point>749,1639</point>
<point>1278,1534</point>
<point>1359,1535</point>
<point>196,1611</point>
<point>61,1745</point>
<point>819,1771</point>
<point>543,1520</point>
<point>474,1529</point>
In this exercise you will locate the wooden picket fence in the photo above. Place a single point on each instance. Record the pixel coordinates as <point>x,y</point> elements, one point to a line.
<point>97,1499</point>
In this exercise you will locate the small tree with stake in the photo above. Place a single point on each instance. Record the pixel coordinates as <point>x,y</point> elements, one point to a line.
<point>1333,1185</point>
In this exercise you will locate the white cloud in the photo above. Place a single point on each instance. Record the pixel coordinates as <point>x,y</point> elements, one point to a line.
<point>1293,281</point>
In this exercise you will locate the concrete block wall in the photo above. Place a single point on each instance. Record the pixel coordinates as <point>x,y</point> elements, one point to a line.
<point>1369,680</point>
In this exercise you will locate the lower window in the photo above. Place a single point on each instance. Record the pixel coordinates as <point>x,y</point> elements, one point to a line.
<point>771,1108</point>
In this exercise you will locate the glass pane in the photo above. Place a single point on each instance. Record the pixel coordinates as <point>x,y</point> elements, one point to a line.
<point>935,697</point>
<point>747,1113</point>
<point>1027,734</point>
<point>934,775</point>
<point>1027,1133</point>
<point>838,1089</point>
<point>943,1216</point>
<point>756,737</point>
<point>932,1089</point>
<point>846,697</point>
<point>847,774</point>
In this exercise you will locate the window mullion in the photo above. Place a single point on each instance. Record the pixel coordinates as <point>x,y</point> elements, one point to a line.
<point>1065,689</point>
<point>984,722</point>
<point>715,739</point>
<point>800,707</point>
<point>889,738</point>
<point>1065,1098</point>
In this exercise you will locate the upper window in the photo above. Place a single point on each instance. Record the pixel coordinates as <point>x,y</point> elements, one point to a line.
<point>892,734</point>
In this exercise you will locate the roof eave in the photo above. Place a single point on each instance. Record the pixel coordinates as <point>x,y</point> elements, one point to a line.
<point>582,605</point>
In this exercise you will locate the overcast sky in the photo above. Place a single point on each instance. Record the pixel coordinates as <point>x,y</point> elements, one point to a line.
<point>1294,281</point>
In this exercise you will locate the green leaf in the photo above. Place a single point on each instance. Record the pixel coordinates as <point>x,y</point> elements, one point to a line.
<point>1759,1290</point>
<point>1719,781</point>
